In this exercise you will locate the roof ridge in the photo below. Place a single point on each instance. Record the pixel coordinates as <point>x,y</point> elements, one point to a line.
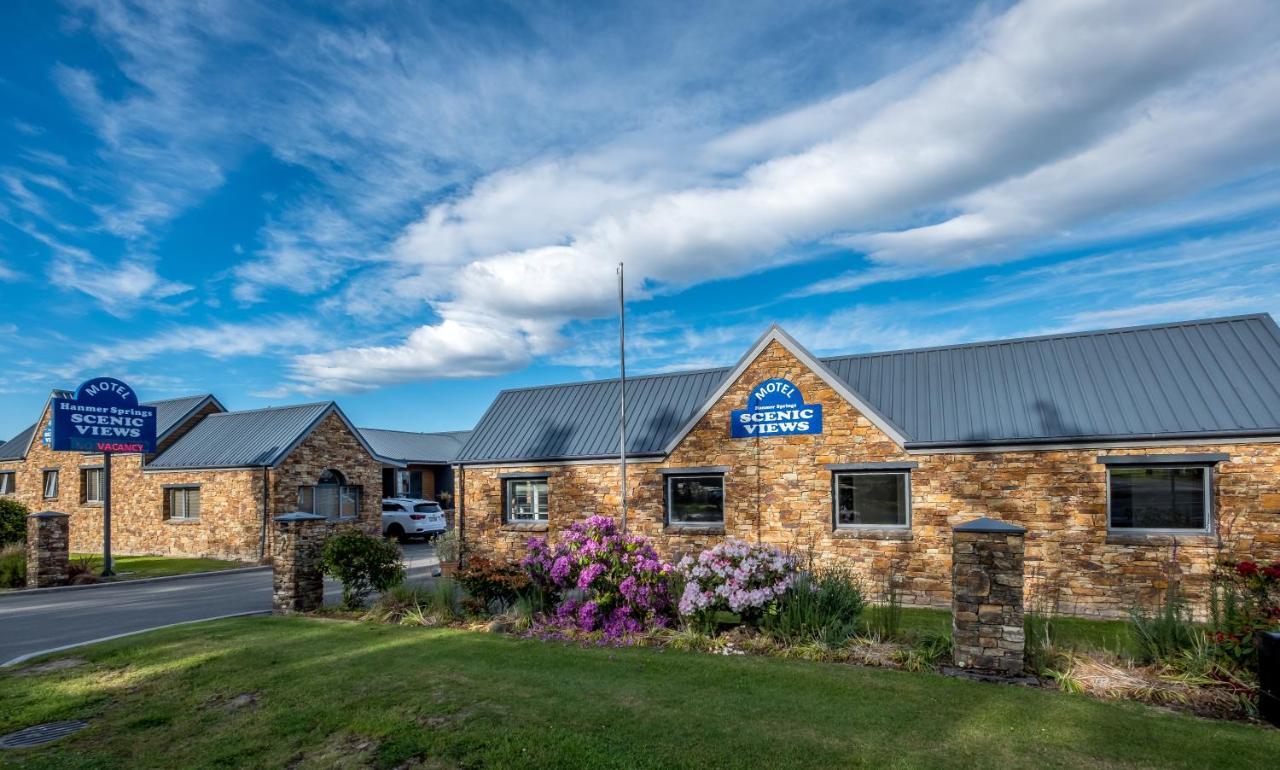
<point>272,408</point>
<point>630,378</point>
<point>191,397</point>
<point>420,432</point>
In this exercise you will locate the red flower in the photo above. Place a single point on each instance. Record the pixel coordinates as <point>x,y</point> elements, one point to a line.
<point>1247,568</point>
<point>1272,572</point>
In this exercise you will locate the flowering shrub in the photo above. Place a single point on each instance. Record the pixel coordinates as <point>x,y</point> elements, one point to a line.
<point>601,580</point>
<point>1246,600</point>
<point>735,576</point>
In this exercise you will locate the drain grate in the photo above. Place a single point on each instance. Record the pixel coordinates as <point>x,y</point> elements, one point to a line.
<point>40,734</point>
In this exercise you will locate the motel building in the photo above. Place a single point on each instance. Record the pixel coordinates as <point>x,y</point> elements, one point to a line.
<point>1135,458</point>
<point>218,477</point>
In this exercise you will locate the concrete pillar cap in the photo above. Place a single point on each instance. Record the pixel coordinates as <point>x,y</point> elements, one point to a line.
<point>300,516</point>
<point>985,524</point>
<point>47,515</point>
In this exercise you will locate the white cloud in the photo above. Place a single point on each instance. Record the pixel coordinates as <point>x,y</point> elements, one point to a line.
<point>1046,88</point>
<point>274,335</point>
<point>118,288</point>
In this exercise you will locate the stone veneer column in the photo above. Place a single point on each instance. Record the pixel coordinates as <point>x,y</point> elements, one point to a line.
<point>47,559</point>
<point>986,605</point>
<point>297,581</point>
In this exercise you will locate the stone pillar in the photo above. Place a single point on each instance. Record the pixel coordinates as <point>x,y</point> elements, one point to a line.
<point>47,537</point>
<point>297,581</point>
<point>986,589</point>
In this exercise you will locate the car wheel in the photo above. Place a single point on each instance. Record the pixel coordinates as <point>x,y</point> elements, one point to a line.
<point>396,531</point>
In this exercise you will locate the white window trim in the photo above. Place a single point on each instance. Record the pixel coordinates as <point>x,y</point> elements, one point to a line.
<point>44,483</point>
<point>12,486</point>
<point>508,497</point>
<point>835,498</point>
<point>1209,507</point>
<point>672,477</point>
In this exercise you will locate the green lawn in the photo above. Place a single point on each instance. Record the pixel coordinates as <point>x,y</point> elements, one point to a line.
<point>134,567</point>
<point>275,692</point>
<point>1067,632</point>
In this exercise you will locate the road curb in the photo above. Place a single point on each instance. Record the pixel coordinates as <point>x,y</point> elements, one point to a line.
<point>65,647</point>
<point>138,582</point>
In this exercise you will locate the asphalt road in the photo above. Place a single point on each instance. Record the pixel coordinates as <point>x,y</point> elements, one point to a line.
<point>33,622</point>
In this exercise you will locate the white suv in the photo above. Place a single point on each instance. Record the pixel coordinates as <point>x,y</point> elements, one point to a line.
<point>405,517</point>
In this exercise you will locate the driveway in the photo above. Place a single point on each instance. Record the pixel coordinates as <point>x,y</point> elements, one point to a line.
<point>43,620</point>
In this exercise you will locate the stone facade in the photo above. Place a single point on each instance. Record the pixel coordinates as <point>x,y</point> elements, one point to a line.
<point>986,609</point>
<point>778,490</point>
<point>297,580</point>
<point>47,554</point>
<point>234,515</point>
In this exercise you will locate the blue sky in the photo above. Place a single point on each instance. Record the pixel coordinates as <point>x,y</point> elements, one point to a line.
<point>408,206</point>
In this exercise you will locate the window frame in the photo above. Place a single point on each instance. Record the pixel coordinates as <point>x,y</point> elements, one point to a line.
<point>44,483</point>
<point>668,477</point>
<point>168,502</point>
<point>507,498</point>
<point>906,497</point>
<point>1210,506</point>
<point>343,489</point>
<point>13,483</point>
<point>85,470</point>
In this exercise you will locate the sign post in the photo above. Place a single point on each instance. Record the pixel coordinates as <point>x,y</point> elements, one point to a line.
<point>104,416</point>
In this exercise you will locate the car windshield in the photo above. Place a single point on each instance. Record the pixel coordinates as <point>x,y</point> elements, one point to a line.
<point>427,507</point>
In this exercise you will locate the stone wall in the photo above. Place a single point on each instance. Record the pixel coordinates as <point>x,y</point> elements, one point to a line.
<point>778,491</point>
<point>330,445</point>
<point>231,520</point>
<point>986,612</point>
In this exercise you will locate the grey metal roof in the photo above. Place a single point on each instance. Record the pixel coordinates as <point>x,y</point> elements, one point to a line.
<point>423,448</point>
<point>580,420</point>
<point>1194,379</point>
<point>172,411</point>
<point>16,447</point>
<point>251,438</point>
<point>169,413</point>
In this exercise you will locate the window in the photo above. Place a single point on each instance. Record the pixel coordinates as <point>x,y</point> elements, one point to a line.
<point>91,490</point>
<point>872,500</point>
<point>427,508</point>
<point>527,499</point>
<point>331,497</point>
<point>695,500</point>
<point>51,485</point>
<point>409,484</point>
<point>182,503</point>
<point>1159,497</point>
<point>392,507</point>
<point>6,482</point>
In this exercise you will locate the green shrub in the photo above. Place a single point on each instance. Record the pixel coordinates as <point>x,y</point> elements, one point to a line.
<point>363,563</point>
<point>13,521</point>
<point>1038,630</point>
<point>821,606</point>
<point>884,619</point>
<point>927,652</point>
<point>1166,633</point>
<point>493,585</point>
<point>448,547</point>
<point>13,566</point>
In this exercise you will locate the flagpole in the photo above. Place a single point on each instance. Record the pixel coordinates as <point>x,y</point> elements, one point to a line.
<point>622,396</point>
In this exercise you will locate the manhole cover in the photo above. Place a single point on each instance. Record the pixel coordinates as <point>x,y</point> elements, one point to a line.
<point>34,736</point>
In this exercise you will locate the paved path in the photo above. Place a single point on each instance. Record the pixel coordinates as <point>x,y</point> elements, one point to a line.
<point>31,622</point>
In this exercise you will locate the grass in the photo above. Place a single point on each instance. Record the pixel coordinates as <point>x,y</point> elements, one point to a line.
<point>1068,632</point>
<point>135,567</point>
<point>275,692</point>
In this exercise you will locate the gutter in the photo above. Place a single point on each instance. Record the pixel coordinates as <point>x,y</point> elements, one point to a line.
<point>1131,439</point>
